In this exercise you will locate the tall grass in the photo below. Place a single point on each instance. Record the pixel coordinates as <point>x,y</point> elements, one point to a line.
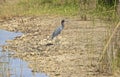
<point>40,7</point>
<point>106,10</point>
<point>110,60</point>
<point>59,7</point>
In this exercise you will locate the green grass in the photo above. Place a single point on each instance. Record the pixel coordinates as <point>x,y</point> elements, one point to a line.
<point>55,7</point>
<point>39,7</point>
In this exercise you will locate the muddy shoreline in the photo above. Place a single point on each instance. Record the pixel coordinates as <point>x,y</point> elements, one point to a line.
<point>71,57</point>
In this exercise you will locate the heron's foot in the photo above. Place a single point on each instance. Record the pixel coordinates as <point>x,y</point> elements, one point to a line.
<point>57,41</point>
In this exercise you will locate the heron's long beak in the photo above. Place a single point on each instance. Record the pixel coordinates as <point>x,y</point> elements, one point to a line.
<point>66,21</point>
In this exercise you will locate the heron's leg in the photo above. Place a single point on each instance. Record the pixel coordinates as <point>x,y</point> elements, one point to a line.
<point>57,41</point>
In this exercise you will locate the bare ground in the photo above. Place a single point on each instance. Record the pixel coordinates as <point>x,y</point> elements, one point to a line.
<point>74,53</point>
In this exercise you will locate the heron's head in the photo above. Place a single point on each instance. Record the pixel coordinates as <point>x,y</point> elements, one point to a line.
<point>62,21</point>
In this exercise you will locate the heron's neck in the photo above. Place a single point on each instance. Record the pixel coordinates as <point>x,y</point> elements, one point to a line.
<point>62,24</point>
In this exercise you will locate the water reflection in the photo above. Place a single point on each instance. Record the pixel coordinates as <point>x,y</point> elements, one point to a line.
<point>13,67</point>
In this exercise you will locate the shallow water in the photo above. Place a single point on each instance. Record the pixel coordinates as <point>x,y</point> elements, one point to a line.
<point>13,67</point>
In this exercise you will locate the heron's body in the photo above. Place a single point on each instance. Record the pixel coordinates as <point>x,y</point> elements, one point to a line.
<point>58,30</point>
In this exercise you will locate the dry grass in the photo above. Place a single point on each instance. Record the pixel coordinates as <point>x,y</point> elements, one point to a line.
<point>109,60</point>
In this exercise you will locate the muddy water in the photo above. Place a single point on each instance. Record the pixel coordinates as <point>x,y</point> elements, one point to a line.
<point>13,67</point>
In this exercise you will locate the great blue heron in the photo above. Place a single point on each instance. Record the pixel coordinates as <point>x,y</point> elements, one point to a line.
<point>58,30</point>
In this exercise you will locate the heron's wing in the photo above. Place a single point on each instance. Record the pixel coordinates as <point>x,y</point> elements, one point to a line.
<point>56,32</point>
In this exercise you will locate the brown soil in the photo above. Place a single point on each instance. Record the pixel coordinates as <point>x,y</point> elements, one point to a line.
<point>74,53</point>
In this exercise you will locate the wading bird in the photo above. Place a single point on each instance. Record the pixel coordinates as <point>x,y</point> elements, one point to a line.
<point>58,30</point>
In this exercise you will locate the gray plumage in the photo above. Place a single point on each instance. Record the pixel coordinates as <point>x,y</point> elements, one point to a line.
<point>58,30</point>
